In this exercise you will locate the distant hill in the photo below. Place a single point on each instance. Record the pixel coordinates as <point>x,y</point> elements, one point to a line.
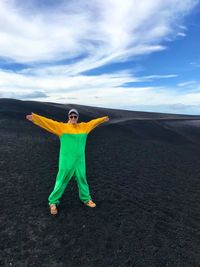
<point>142,125</point>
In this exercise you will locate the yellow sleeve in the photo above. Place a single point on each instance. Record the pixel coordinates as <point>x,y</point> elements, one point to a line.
<point>94,123</point>
<point>52,126</point>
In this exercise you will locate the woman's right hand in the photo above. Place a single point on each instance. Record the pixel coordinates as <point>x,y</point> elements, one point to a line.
<point>29,117</point>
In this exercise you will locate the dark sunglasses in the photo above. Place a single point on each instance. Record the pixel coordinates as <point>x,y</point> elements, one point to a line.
<point>73,116</point>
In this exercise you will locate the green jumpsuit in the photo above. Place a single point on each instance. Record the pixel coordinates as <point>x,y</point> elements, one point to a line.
<point>72,154</point>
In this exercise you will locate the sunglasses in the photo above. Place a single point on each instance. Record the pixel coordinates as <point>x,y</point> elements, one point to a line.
<point>73,116</point>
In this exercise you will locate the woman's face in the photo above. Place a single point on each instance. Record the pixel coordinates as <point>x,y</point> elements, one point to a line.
<point>73,118</point>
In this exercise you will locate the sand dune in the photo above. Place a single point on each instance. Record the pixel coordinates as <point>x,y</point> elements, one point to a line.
<point>143,169</point>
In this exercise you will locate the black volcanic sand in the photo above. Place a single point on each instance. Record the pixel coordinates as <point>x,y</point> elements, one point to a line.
<point>144,174</point>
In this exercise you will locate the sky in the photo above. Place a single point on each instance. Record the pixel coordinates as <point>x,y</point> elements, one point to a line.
<point>132,55</point>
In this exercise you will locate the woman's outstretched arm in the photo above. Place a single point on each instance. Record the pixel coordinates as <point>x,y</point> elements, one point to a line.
<point>94,123</point>
<point>50,125</point>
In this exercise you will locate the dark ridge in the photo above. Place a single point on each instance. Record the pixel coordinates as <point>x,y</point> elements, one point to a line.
<point>19,108</point>
<point>141,125</point>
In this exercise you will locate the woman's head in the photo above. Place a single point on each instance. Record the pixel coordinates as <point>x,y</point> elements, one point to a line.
<point>73,116</point>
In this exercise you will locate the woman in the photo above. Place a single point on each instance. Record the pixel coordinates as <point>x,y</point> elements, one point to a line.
<point>73,136</point>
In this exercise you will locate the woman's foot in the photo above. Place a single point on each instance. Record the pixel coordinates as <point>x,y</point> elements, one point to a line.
<point>53,209</point>
<point>90,204</point>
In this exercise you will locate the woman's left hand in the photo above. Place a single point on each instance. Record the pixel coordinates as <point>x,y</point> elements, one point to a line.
<point>107,119</point>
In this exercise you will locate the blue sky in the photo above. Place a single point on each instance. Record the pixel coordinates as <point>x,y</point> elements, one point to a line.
<point>118,54</point>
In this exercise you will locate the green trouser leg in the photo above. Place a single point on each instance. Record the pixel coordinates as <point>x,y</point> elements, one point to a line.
<point>80,176</point>
<point>62,179</point>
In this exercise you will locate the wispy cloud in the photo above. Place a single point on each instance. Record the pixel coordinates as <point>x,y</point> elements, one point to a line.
<point>187,84</point>
<point>58,43</point>
<point>24,95</point>
<point>177,108</point>
<point>181,34</point>
<point>103,30</point>
<point>195,64</point>
<point>153,77</point>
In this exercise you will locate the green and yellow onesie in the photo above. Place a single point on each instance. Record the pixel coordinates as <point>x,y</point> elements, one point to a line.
<point>72,154</point>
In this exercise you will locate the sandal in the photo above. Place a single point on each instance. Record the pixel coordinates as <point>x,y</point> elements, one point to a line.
<point>53,209</point>
<point>90,204</point>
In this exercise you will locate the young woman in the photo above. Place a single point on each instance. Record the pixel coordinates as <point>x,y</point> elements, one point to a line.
<point>73,136</point>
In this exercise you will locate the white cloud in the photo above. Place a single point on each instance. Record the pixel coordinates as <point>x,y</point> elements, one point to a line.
<point>195,64</point>
<point>24,95</point>
<point>104,90</point>
<point>103,29</point>
<point>182,34</point>
<point>165,108</point>
<point>153,77</point>
<point>187,84</point>
<point>93,35</point>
